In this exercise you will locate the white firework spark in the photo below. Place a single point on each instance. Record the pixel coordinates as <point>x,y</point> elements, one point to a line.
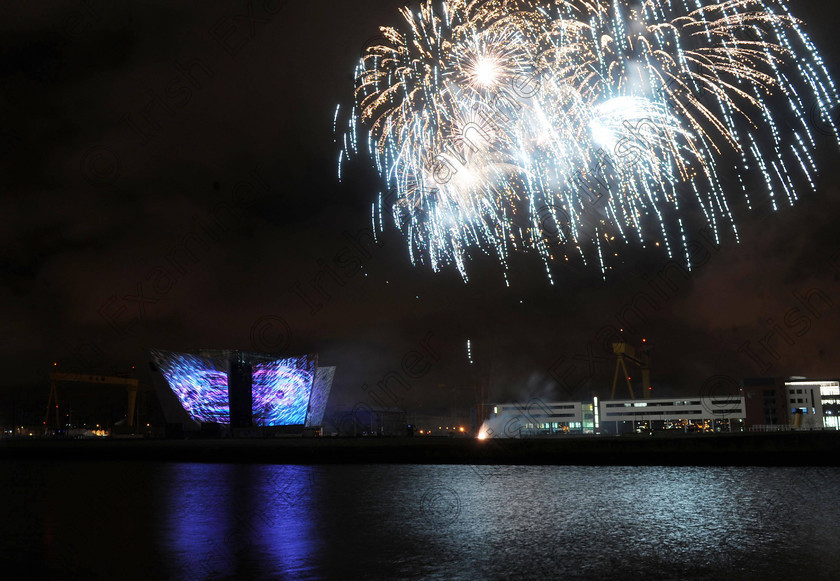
<point>488,116</point>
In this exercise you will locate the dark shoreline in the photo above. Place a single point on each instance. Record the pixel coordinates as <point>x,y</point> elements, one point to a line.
<point>741,449</point>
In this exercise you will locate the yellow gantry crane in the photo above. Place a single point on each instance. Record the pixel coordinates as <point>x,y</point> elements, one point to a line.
<point>641,357</point>
<point>132,385</point>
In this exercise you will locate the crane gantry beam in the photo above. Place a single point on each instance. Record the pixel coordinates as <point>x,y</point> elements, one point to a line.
<point>641,358</point>
<point>131,384</point>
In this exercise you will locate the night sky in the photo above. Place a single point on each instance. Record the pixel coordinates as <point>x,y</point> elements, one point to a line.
<point>129,132</point>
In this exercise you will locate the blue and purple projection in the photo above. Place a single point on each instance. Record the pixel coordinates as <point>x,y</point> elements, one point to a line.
<point>281,390</point>
<point>200,383</point>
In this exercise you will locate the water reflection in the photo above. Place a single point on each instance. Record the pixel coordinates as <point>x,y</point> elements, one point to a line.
<point>239,521</point>
<point>202,521</point>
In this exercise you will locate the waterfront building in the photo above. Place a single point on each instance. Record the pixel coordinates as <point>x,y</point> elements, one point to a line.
<point>712,413</point>
<point>541,418</point>
<point>813,403</point>
<point>792,403</point>
<point>766,404</point>
<point>240,389</point>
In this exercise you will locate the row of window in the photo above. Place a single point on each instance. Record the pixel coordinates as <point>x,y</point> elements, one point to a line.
<point>547,416</point>
<point>644,404</point>
<point>537,411</point>
<point>558,425</point>
<point>662,413</point>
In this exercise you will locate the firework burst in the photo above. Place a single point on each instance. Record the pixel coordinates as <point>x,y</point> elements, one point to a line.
<point>614,119</point>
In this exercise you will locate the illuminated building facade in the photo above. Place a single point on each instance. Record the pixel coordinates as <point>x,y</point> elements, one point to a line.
<point>690,414</point>
<point>539,418</point>
<point>243,389</point>
<point>813,403</point>
<point>797,403</point>
<point>763,404</point>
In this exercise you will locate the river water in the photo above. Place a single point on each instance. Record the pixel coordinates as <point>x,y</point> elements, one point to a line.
<point>214,521</point>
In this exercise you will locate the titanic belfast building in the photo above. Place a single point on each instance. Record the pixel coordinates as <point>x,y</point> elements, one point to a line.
<point>241,389</point>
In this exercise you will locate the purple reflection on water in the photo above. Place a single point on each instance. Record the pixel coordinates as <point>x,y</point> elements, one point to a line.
<point>228,521</point>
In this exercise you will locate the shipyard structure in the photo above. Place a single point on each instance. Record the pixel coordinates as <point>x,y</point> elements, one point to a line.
<point>241,390</point>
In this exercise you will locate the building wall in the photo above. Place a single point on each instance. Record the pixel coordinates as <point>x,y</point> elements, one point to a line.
<point>766,402</point>
<point>830,395</point>
<point>813,403</point>
<point>697,409</point>
<point>538,417</point>
<point>539,412</point>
